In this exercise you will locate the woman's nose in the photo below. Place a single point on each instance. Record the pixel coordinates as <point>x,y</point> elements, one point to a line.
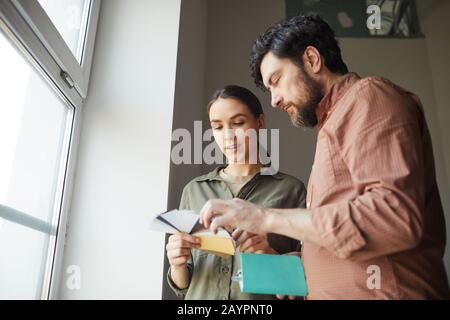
<point>229,134</point>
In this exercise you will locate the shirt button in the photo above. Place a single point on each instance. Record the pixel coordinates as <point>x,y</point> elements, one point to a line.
<point>225,269</point>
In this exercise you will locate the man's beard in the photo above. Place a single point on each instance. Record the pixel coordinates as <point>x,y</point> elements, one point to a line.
<point>305,115</point>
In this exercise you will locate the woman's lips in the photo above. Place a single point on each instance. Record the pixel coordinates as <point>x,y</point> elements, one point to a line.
<point>232,147</point>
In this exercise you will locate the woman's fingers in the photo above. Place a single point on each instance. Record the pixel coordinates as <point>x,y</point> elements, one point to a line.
<point>294,253</point>
<point>282,297</point>
<point>186,237</point>
<point>179,248</point>
<point>182,240</point>
<point>178,257</point>
<point>179,260</point>
<point>181,244</point>
<point>251,243</point>
<point>242,236</point>
<point>236,234</point>
<point>179,252</point>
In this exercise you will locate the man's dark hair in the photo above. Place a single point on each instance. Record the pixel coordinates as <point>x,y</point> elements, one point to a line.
<point>289,39</point>
<point>241,94</point>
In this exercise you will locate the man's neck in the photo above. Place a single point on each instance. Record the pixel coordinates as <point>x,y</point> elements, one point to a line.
<point>330,80</point>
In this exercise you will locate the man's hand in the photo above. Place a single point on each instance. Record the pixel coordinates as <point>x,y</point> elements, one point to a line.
<point>252,243</point>
<point>236,213</point>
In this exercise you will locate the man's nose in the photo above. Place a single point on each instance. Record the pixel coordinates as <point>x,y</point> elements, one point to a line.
<point>276,100</point>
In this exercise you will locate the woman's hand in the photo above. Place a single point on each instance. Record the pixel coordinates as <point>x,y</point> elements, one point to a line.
<point>252,243</point>
<point>179,248</point>
<point>178,253</point>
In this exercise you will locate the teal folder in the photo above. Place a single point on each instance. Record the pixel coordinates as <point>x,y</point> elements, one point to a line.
<point>272,274</point>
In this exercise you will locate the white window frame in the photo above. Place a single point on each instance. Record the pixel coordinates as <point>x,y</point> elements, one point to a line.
<point>31,32</point>
<point>40,23</point>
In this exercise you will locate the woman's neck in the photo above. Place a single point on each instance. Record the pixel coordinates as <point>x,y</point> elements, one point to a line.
<point>235,169</point>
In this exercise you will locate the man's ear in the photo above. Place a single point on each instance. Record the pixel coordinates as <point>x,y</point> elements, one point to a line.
<point>312,60</point>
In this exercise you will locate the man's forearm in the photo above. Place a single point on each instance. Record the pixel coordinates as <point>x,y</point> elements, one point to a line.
<point>294,223</point>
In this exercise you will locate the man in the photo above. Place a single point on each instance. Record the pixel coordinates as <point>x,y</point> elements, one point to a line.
<point>374,225</point>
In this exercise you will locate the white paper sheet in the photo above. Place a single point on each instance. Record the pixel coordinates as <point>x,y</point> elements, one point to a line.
<point>175,220</point>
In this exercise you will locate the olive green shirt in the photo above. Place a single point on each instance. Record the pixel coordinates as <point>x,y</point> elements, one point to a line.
<point>210,275</point>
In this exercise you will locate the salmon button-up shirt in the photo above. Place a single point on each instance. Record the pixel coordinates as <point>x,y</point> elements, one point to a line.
<point>373,197</point>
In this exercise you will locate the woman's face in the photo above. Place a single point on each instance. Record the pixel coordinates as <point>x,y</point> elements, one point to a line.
<point>235,130</point>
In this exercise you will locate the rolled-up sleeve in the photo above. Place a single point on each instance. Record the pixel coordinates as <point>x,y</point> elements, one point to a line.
<point>179,292</point>
<point>381,146</point>
<point>184,205</point>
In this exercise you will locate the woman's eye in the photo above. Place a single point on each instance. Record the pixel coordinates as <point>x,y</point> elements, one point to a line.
<point>238,124</point>
<point>217,128</point>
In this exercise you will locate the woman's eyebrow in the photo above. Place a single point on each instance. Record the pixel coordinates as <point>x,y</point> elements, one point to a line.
<point>237,115</point>
<point>234,116</point>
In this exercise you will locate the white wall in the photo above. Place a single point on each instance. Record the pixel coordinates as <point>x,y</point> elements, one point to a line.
<point>123,159</point>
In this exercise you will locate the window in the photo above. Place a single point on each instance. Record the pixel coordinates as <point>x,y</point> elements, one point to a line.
<point>398,18</point>
<point>356,18</point>
<point>45,66</point>
<point>34,130</point>
<point>70,19</point>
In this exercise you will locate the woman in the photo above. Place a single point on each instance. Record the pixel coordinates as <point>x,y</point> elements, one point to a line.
<point>233,112</point>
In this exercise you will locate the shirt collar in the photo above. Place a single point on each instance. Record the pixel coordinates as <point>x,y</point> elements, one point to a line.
<point>214,175</point>
<point>336,91</point>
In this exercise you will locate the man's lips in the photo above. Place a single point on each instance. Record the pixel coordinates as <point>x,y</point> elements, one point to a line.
<point>285,108</point>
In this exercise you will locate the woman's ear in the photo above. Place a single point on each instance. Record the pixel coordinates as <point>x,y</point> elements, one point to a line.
<point>261,121</point>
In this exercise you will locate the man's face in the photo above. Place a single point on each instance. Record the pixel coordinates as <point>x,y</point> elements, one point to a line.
<point>292,89</point>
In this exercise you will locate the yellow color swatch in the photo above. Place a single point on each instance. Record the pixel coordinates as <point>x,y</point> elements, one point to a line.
<point>220,244</point>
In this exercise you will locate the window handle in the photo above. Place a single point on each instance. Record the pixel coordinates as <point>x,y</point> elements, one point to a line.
<point>67,79</point>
